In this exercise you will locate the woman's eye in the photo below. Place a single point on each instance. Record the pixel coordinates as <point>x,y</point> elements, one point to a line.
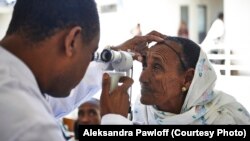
<point>156,67</point>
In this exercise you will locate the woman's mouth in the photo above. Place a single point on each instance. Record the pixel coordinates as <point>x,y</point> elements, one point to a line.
<point>145,90</point>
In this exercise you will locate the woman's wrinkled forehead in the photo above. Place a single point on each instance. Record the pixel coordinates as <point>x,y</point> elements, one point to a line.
<point>165,49</point>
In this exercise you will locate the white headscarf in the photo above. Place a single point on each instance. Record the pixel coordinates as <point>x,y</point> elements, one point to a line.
<point>203,104</point>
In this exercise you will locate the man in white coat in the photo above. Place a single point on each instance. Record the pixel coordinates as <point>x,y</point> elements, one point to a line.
<point>47,49</point>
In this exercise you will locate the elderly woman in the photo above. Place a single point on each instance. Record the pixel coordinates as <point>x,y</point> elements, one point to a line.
<point>177,87</point>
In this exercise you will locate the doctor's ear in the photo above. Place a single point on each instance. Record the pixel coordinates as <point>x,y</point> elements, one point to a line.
<point>70,40</point>
<point>188,77</point>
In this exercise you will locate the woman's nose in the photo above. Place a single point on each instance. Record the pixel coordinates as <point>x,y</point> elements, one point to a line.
<point>144,78</point>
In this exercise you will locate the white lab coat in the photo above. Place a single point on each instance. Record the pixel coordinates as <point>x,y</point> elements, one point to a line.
<point>25,113</point>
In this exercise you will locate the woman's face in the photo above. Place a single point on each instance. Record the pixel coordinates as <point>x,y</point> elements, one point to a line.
<point>162,77</point>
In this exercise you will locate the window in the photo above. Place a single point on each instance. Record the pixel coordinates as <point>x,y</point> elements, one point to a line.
<point>202,22</point>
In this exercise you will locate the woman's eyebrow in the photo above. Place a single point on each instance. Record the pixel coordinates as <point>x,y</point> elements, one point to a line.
<point>158,59</point>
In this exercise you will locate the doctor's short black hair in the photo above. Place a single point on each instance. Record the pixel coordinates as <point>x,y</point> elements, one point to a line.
<point>37,20</point>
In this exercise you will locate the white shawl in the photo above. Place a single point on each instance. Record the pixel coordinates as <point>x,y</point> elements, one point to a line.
<point>203,104</point>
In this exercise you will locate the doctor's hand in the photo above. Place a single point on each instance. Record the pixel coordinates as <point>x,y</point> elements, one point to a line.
<point>116,101</point>
<point>138,44</point>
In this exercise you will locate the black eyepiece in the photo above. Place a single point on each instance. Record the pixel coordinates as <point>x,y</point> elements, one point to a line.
<point>106,55</point>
